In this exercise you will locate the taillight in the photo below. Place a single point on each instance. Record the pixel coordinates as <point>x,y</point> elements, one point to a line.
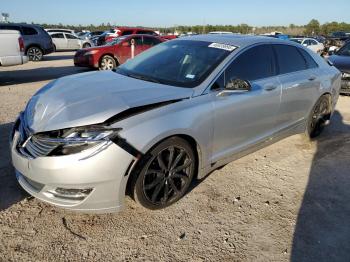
<point>21,44</point>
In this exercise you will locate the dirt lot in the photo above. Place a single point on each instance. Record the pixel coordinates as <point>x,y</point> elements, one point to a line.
<point>289,201</point>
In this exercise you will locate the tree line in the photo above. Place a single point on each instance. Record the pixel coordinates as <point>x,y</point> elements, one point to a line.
<point>312,28</point>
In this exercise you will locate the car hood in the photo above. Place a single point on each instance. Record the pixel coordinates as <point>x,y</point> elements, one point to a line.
<point>92,98</point>
<point>341,62</point>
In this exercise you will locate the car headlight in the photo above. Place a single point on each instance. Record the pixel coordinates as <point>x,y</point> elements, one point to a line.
<point>92,52</point>
<point>74,140</point>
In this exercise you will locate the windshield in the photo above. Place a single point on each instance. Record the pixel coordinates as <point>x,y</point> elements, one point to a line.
<point>116,41</point>
<point>181,63</point>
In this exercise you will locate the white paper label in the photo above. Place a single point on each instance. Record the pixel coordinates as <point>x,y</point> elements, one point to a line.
<point>223,46</point>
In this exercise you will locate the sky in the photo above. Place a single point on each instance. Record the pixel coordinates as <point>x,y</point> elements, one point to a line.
<point>165,13</point>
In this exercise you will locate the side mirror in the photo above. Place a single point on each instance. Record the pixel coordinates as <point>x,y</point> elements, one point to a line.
<point>304,44</point>
<point>238,85</point>
<point>125,44</point>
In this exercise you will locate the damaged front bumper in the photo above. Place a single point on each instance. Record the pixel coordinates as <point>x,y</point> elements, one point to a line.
<point>86,181</point>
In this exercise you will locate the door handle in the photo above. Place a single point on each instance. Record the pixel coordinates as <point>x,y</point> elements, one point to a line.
<point>312,78</point>
<point>270,87</point>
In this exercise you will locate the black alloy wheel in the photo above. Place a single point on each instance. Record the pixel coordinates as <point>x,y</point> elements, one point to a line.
<point>318,117</point>
<point>166,174</point>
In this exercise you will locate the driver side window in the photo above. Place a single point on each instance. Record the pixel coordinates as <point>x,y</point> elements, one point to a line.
<point>345,50</point>
<point>256,63</point>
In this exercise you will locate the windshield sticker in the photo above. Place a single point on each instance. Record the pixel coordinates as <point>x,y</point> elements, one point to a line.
<point>229,48</point>
<point>190,76</point>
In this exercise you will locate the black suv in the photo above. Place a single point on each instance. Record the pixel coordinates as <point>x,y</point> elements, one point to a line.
<point>37,41</point>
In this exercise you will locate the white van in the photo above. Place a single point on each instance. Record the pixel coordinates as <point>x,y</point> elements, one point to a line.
<point>11,48</point>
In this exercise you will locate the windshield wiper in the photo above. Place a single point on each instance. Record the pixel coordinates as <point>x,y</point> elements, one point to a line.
<point>145,78</point>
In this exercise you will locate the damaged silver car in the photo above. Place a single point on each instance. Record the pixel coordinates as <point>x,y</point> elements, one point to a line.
<point>170,115</point>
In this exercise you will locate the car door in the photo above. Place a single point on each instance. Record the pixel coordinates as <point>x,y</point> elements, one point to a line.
<point>73,42</point>
<point>243,119</point>
<point>60,41</point>
<point>299,84</point>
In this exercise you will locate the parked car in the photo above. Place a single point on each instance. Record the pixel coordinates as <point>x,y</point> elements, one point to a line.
<point>114,53</point>
<point>341,60</point>
<point>90,35</point>
<point>11,48</point>
<point>108,36</point>
<point>310,43</point>
<point>37,42</point>
<point>66,41</point>
<point>173,113</point>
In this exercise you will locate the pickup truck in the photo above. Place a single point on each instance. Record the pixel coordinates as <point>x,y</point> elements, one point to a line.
<point>11,48</point>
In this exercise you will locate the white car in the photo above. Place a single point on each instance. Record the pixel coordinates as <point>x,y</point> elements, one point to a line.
<point>66,41</point>
<point>11,48</point>
<point>310,43</point>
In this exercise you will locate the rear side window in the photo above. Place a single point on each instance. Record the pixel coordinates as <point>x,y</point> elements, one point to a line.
<point>289,59</point>
<point>150,41</point>
<point>28,31</point>
<point>309,60</point>
<point>58,35</point>
<point>138,40</point>
<point>68,36</point>
<point>256,63</point>
<point>128,32</point>
<point>146,33</point>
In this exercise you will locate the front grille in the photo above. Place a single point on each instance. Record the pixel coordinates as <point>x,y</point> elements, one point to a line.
<point>36,147</point>
<point>32,146</point>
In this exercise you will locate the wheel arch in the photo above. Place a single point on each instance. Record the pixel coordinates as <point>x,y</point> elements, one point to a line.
<point>134,171</point>
<point>33,45</point>
<point>111,55</point>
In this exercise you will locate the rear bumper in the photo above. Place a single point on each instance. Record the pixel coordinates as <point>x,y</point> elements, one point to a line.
<point>345,84</point>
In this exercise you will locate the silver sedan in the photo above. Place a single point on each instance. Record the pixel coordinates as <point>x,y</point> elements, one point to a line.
<point>170,115</point>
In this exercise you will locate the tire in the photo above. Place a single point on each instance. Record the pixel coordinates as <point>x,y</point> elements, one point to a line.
<point>107,63</point>
<point>35,54</point>
<point>86,45</point>
<point>318,117</point>
<point>165,173</point>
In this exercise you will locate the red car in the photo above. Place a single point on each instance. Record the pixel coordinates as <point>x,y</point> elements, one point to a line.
<point>114,53</point>
<point>122,31</point>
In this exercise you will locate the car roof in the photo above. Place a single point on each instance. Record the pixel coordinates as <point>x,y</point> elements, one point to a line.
<point>20,24</point>
<point>235,39</point>
<point>133,28</point>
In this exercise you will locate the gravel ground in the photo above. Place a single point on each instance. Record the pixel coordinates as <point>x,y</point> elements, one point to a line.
<point>289,201</point>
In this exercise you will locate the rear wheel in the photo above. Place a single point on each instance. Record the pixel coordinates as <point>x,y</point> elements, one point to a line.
<point>166,174</point>
<point>318,117</point>
<point>107,63</point>
<point>35,53</point>
<point>86,45</point>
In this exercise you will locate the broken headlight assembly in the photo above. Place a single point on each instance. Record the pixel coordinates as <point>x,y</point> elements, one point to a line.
<point>72,140</point>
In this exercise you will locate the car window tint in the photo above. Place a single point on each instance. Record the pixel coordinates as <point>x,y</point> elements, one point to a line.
<point>309,60</point>
<point>128,32</point>
<point>146,33</point>
<point>345,50</point>
<point>138,40</point>
<point>255,63</point>
<point>70,36</point>
<point>28,31</point>
<point>313,42</point>
<point>150,41</point>
<point>59,35</point>
<point>289,59</point>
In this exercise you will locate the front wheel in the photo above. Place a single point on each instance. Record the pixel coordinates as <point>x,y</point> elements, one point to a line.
<point>166,174</point>
<point>318,117</point>
<point>34,53</point>
<point>107,63</point>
